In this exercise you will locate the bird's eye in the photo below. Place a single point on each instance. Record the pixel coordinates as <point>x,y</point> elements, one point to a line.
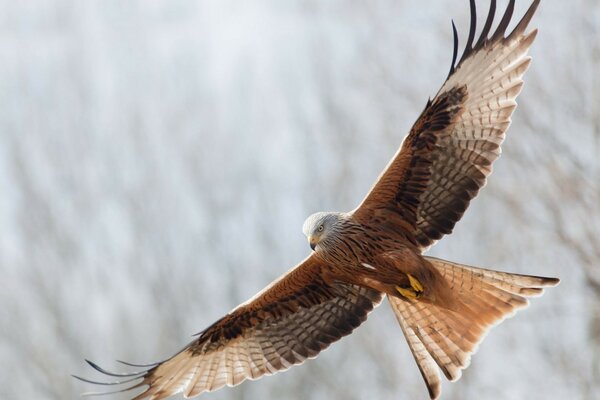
<point>320,228</point>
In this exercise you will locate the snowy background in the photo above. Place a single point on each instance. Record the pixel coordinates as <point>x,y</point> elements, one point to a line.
<point>158,158</point>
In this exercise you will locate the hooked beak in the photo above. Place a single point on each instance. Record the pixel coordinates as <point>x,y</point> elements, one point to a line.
<point>312,242</point>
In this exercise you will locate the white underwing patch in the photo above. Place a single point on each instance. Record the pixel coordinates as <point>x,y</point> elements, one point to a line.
<point>368,266</point>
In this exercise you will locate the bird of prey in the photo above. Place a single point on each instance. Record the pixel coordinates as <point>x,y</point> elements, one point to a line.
<point>376,250</point>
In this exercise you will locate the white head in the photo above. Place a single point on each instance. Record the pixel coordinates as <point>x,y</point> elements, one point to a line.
<point>320,226</point>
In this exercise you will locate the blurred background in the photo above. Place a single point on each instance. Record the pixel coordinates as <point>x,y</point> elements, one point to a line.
<point>158,158</point>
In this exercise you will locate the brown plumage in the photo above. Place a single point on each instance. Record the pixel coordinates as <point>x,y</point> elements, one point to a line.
<point>444,308</point>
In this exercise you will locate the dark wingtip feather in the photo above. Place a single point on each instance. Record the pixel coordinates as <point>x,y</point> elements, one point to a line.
<point>130,377</point>
<point>501,29</point>
<point>472,27</point>
<point>487,26</point>
<point>498,34</point>
<point>105,372</point>
<point>106,383</point>
<point>455,51</point>
<point>151,365</point>
<point>522,25</point>
<point>551,281</point>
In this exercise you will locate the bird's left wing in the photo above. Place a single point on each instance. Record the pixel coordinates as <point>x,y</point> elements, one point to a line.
<point>294,318</point>
<point>448,154</point>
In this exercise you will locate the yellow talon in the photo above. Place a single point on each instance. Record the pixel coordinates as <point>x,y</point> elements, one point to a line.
<point>409,293</point>
<point>414,282</point>
<point>414,291</point>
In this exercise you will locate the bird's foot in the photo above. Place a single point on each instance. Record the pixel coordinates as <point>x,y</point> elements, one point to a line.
<point>414,282</point>
<point>409,293</point>
<point>414,291</point>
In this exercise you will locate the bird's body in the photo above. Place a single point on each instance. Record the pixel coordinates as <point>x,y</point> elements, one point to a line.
<point>357,254</point>
<point>376,250</point>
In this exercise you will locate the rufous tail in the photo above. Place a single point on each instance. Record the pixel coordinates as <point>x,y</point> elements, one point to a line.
<point>445,336</point>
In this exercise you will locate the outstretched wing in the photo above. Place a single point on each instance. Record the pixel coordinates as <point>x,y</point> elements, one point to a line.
<point>294,318</point>
<point>448,154</point>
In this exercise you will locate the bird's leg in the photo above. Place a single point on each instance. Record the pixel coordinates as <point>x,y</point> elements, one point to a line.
<point>414,291</point>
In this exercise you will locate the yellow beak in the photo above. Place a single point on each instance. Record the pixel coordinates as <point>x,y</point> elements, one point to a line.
<point>312,242</point>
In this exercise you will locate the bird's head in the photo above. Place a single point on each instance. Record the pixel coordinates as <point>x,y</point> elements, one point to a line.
<point>319,226</point>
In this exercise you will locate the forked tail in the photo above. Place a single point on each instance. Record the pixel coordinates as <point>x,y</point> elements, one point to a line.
<point>447,336</point>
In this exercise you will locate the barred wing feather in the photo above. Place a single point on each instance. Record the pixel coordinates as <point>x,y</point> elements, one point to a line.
<point>293,319</point>
<point>447,156</point>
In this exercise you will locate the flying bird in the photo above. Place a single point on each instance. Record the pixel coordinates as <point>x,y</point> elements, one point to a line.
<point>358,257</point>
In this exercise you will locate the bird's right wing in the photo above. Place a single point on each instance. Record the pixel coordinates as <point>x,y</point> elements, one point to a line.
<point>294,318</point>
<point>447,156</point>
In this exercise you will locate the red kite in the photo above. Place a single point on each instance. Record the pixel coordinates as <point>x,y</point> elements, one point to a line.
<point>376,250</point>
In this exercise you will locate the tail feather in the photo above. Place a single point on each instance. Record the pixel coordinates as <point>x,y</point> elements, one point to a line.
<point>427,365</point>
<point>445,332</point>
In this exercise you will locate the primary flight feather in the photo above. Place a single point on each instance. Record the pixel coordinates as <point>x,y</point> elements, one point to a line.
<point>443,308</point>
